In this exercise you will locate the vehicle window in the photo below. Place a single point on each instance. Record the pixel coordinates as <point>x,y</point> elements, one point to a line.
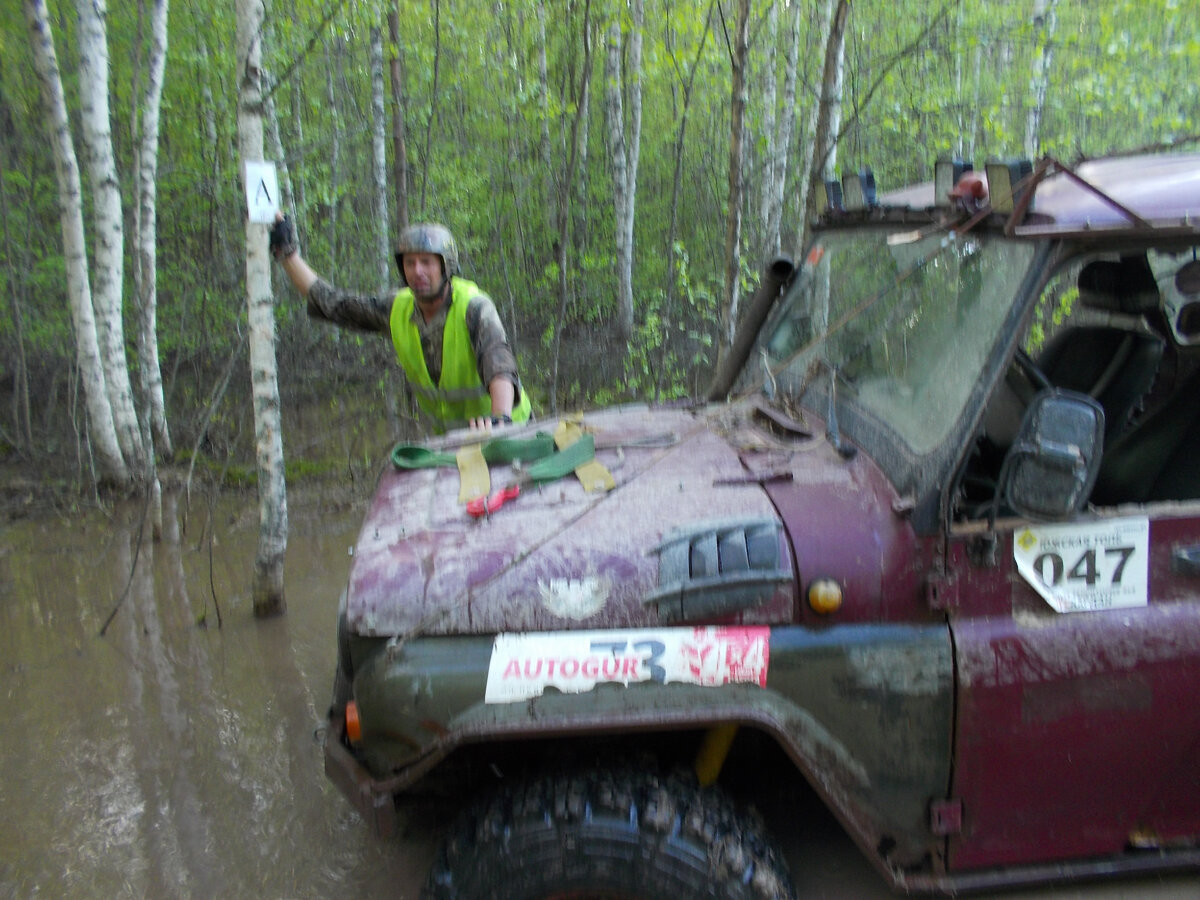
<point>1121,328</point>
<point>1153,453</point>
<point>904,320</point>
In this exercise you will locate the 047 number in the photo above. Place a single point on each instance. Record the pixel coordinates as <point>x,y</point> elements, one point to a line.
<point>1053,569</point>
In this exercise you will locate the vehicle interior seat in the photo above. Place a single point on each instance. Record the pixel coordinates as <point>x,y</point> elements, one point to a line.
<point>1111,353</point>
<point>1159,457</point>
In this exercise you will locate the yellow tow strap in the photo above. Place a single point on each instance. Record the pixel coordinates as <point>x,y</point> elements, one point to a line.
<point>591,474</point>
<point>474,480</point>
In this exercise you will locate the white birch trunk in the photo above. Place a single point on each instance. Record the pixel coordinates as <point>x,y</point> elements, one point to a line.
<point>544,110</point>
<point>835,78</point>
<point>1045,20</point>
<point>146,235</point>
<point>109,257</point>
<point>18,300</point>
<point>286,198</point>
<point>379,162</point>
<point>625,148</point>
<point>829,123</point>
<point>296,197</point>
<point>973,124</point>
<point>783,139</point>
<point>770,97</point>
<point>581,191</point>
<point>638,12</point>
<point>333,112</point>
<point>267,589</point>
<point>960,127</point>
<point>812,123</point>
<point>733,223</point>
<point>826,114</point>
<point>615,113</point>
<point>102,430</point>
<point>399,141</point>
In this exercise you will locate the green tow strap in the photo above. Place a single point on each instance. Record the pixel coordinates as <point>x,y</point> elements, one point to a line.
<point>497,450</point>
<point>564,462</point>
<point>549,465</point>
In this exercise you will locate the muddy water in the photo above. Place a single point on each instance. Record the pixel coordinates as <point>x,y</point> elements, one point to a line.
<point>172,757</point>
<point>175,758</point>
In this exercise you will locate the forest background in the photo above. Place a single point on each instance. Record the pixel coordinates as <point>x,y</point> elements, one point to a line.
<point>617,172</point>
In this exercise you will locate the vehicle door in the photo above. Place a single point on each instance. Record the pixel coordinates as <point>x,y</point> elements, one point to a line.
<point>1077,643</point>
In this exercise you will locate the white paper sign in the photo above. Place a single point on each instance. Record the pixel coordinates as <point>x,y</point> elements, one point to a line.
<point>262,192</point>
<point>523,666</point>
<point>1087,566</point>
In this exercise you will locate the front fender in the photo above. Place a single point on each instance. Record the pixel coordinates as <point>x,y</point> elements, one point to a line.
<point>864,711</point>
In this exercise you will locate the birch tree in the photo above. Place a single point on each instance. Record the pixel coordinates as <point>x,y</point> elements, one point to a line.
<point>435,96</point>
<point>1045,21</point>
<point>733,221</point>
<point>769,99</point>
<point>16,265</point>
<point>145,260</point>
<point>109,229</point>
<point>677,181</point>
<point>563,213</point>
<point>827,114</point>
<point>777,162</point>
<point>267,588</point>
<point>333,108</point>
<point>379,161</point>
<point>624,145</point>
<point>274,137</point>
<point>399,141</point>
<point>544,114</point>
<point>102,430</point>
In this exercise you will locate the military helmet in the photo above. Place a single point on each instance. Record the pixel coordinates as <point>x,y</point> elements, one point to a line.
<point>428,237</point>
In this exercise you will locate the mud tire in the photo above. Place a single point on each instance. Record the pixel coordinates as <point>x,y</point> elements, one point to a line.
<point>607,834</point>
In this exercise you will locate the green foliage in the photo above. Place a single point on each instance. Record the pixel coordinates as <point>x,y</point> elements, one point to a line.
<point>672,340</point>
<point>1053,309</point>
<point>489,146</point>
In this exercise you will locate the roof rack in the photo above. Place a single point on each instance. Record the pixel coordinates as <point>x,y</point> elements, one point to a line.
<point>1153,193</point>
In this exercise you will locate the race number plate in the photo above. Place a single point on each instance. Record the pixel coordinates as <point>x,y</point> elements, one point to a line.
<point>1088,566</point>
<point>522,666</point>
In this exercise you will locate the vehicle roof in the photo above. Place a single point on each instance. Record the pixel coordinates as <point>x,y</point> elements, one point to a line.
<point>1163,189</point>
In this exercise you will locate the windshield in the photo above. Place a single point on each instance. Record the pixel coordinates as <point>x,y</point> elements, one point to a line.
<point>904,320</point>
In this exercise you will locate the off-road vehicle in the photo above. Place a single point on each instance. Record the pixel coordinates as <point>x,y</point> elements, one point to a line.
<point>933,538</point>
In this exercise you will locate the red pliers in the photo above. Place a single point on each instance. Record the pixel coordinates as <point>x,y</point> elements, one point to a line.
<point>485,506</point>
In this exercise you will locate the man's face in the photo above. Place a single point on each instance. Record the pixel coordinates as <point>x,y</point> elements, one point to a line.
<point>423,272</point>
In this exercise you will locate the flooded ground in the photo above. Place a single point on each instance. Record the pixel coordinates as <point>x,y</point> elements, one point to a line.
<point>171,757</point>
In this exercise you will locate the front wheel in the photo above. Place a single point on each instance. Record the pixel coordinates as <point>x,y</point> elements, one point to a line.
<point>607,834</point>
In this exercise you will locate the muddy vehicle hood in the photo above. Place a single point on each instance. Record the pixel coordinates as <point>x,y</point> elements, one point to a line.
<point>560,558</point>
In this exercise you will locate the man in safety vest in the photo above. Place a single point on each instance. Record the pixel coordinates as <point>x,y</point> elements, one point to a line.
<point>446,331</point>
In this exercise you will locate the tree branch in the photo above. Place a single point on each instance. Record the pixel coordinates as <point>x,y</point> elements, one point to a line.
<point>900,54</point>
<point>308,48</point>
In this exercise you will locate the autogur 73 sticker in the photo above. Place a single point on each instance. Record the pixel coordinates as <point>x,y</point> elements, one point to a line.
<point>523,666</point>
<point>1086,566</point>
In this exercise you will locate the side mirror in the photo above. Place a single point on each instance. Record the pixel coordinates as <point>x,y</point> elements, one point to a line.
<point>1052,466</point>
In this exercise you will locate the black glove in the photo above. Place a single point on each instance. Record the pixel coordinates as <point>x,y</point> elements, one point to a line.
<point>283,239</point>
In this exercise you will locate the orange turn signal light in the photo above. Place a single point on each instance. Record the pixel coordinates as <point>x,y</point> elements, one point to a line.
<point>825,596</point>
<point>353,723</point>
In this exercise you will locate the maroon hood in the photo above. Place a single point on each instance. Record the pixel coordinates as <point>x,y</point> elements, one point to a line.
<point>557,557</point>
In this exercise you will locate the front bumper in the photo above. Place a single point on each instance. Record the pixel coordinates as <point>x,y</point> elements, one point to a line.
<point>373,798</point>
